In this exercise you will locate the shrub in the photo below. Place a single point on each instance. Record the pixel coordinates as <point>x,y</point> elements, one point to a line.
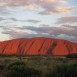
<point>18,63</point>
<point>1,66</point>
<point>21,70</point>
<point>74,55</point>
<point>64,71</point>
<point>7,55</point>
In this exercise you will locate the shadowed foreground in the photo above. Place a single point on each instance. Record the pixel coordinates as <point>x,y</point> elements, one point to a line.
<point>38,66</point>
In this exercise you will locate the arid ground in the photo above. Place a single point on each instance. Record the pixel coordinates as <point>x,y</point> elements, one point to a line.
<point>42,64</point>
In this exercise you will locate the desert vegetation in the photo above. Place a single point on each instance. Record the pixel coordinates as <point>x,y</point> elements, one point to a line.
<point>73,55</point>
<point>38,66</point>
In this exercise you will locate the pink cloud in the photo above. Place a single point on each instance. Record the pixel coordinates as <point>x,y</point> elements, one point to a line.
<point>71,19</point>
<point>49,6</point>
<point>57,10</point>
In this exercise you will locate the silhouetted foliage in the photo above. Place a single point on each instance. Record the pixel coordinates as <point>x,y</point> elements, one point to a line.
<point>74,55</point>
<point>7,55</point>
<point>2,66</point>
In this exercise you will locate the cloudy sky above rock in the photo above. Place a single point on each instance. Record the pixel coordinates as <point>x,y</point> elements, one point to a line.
<point>38,18</point>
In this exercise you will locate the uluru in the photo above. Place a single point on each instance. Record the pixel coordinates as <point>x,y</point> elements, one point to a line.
<point>38,46</point>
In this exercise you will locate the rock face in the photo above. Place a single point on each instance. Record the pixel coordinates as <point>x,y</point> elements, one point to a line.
<point>37,46</point>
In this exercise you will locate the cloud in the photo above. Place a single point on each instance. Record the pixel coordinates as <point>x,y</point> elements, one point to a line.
<point>44,25</point>
<point>71,19</point>
<point>30,2</point>
<point>10,18</point>
<point>63,32</point>
<point>65,36</point>
<point>56,10</point>
<point>1,19</point>
<point>2,3</point>
<point>17,32</point>
<point>13,32</point>
<point>5,11</point>
<point>36,29</point>
<point>48,6</point>
<point>13,19</point>
<point>33,21</point>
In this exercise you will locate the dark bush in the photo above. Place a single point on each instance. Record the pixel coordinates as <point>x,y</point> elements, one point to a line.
<point>74,55</point>
<point>17,64</point>
<point>2,66</point>
<point>21,70</point>
<point>64,71</point>
<point>7,55</point>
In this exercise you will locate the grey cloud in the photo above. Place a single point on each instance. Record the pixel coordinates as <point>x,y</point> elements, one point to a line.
<point>44,25</point>
<point>5,19</point>
<point>37,29</point>
<point>5,11</point>
<point>30,21</point>
<point>62,20</point>
<point>13,19</point>
<point>14,34</point>
<point>33,21</point>
<point>72,30</point>
<point>1,19</point>
<point>67,37</point>
<point>62,32</point>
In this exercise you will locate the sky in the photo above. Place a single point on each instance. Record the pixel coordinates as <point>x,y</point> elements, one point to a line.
<point>38,18</point>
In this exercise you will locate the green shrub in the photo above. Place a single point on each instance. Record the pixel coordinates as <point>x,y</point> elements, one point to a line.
<point>18,63</point>
<point>21,70</point>
<point>63,71</point>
